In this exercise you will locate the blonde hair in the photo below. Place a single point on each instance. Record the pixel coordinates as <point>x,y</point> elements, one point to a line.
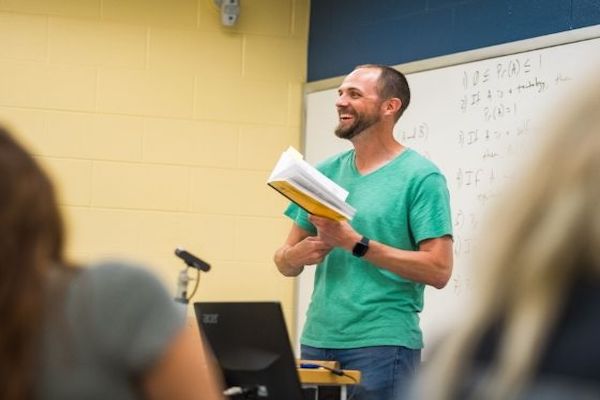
<point>546,235</point>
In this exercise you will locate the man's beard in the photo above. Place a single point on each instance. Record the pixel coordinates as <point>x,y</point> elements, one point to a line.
<point>361,122</point>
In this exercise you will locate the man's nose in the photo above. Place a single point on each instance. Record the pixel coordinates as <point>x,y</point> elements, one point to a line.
<point>341,101</point>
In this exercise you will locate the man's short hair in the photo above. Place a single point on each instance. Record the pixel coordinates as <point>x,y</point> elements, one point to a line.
<point>391,83</point>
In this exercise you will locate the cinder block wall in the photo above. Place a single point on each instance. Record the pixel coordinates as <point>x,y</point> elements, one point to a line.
<point>160,127</point>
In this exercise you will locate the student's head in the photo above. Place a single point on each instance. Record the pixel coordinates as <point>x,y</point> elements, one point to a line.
<point>31,241</point>
<point>544,237</point>
<point>30,222</point>
<point>391,84</point>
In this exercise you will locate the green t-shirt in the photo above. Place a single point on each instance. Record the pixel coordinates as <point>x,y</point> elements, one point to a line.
<point>354,303</point>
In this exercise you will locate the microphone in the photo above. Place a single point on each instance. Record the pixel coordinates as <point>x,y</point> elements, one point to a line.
<point>191,260</point>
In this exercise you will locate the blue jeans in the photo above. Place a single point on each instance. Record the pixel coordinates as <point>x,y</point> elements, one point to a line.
<point>385,370</point>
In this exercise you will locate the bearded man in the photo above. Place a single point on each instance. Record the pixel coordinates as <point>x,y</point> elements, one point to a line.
<point>371,272</point>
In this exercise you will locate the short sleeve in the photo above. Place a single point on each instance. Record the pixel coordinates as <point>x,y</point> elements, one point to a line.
<point>134,317</point>
<point>300,218</point>
<point>429,214</point>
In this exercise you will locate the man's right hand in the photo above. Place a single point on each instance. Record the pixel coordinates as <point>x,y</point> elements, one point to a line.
<point>299,250</point>
<point>311,250</point>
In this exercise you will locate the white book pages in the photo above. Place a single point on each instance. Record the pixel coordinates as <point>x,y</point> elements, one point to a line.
<point>291,164</point>
<point>293,169</point>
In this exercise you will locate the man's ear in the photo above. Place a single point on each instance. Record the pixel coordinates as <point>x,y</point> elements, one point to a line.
<point>393,105</point>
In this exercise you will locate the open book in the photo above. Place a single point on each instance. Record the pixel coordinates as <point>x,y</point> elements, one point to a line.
<point>308,188</point>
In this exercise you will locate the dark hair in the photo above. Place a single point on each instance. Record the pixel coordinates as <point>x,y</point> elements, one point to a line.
<point>391,83</point>
<point>31,242</point>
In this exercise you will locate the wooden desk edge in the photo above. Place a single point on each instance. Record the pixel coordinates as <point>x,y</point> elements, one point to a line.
<point>325,377</point>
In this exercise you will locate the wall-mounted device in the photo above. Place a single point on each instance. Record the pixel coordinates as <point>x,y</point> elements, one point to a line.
<point>230,11</point>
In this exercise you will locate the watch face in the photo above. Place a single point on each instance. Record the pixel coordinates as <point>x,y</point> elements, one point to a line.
<point>360,248</point>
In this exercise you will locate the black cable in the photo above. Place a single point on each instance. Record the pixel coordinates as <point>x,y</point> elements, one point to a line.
<point>340,372</point>
<point>335,371</point>
<point>195,286</point>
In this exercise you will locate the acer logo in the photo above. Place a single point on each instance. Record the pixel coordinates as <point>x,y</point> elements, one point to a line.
<point>210,318</point>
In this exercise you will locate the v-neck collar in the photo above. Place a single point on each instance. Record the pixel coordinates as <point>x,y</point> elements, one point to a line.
<point>355,170</point>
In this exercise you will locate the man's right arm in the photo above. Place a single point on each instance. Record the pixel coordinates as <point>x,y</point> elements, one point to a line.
<point>299,249</point>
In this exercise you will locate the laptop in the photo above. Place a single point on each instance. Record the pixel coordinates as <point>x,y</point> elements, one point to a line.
<point>251,344</point>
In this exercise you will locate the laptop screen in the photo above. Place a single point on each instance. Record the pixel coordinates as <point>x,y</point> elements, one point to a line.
<point>251,344</point>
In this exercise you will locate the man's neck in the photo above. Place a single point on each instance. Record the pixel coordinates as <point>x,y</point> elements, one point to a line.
<point>374,149</point>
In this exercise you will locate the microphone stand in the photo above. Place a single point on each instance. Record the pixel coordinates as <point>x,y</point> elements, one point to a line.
<point>183,279</point>
<point>182,283</point>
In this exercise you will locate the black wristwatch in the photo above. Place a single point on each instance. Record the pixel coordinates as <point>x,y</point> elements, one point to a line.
<point>361,247</point>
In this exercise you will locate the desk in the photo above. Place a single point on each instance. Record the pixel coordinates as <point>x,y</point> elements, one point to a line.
<point>322,377</point>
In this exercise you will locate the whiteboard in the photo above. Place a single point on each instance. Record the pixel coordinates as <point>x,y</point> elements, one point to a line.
<point>477,122</point>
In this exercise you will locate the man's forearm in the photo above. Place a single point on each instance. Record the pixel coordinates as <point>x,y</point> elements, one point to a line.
<point>284,265</point>
<point>431,264</point>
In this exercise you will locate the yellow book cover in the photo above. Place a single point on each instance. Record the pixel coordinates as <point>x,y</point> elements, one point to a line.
<point>303,184</point>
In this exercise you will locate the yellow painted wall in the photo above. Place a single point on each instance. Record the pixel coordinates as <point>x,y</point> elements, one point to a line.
<point>160,127</point>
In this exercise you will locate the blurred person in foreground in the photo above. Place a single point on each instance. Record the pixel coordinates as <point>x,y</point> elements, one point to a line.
<point>110,331</point>
<point>533,325</point>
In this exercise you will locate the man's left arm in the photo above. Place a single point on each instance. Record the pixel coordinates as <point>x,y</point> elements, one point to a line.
<point>430,264</point>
